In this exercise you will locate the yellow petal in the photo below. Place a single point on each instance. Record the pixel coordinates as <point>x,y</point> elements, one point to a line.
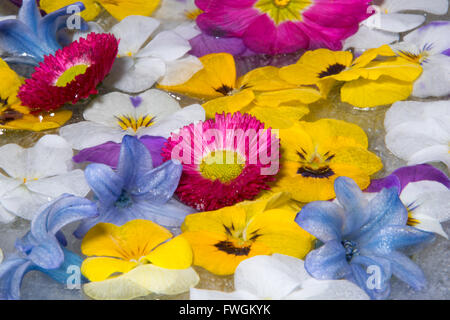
<point>10,83</point>
<point>90,13</point>
<point>371,54</point>
<point>120,288</point>
<point>278,230</point>
<point>99,268</point>
<point>163,281</point>
<point>131,241</point>
<point>174,254</point>
<point>209,256</point>
<point>218,73</point>
<point>288,97</point>
<point>364,93</point>
<point>361,158</point>
<point>228,104</point>
<point>280,117</point>
<point>121,9</point>
<point>43,122</point>
<point>270,201</point>
<point>263,79</point>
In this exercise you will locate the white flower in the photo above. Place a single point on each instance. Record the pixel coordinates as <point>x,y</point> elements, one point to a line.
<point>384,26</point>
<point>114,115</point>
<point>419,132</point>
<point>37,175</point>
<point>429,46</point>
<point>176,11</point>
<point>280,277</point>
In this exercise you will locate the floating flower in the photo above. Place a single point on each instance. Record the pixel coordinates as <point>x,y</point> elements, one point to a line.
<point>41,248</point>
<point>112,116</point>
<point>71,74</point>
<point>163,59</point>
<point>135,260</point>
<point>119,9</point>
<point>30,37</point>
<point>418,132</point>
<point>316,153</point>
<point>388,20</point>
<point>424,190</point>
<point>223,238</point>
<point>225,160</point>
<point>376,78</point>
<point>430,48</point>
<point>136,190</point>
<point>283,26</point>
<point>262,87</point>
<point>280,277</point>
<point>37,175</point>
<point>363,241</point>
<point>14,116</point>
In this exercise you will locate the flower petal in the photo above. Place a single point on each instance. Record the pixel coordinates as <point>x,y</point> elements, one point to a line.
<point>101,268</point>
<point>105,183</point>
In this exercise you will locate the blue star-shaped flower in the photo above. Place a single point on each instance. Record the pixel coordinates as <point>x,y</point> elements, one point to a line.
<point>136,190</point>
<point>40,249</point>
<point>30,37</point>
<point>364,242</point>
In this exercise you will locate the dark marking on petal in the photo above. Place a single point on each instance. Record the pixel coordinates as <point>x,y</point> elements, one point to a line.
<point>229,248</point>
<point>307,172</point>
<point>224,89</point>
<point>332,70</point>
<point>9,115</point>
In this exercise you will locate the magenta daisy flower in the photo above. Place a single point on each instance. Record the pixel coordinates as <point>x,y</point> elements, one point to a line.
<point>71,74</point>
<point>284,26</point>
<point>225,160</point>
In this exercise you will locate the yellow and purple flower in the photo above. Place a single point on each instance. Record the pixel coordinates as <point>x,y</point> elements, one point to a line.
<point>71,74</point>
<point>282,26</point>
<point>225,160</point>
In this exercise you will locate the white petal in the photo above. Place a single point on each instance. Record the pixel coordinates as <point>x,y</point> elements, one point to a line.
<point>270,277</point>
<point>329,290</point>
<point>367,38</point>
<point>157,103</point>
<point>434,35</point>
<point>5,215</point>
<point>426,223</point>
<point>93,27</point>
<point>7,184</point>
<point>72,183</point>
<point>435,78</point>
<point>414,191</point>
<point>431,6</point>
<point>202,294</point>
<point>135,76</point>
<point>51,155</point>
<point>86,134</point>
<point>188,30</point>
<point>395,22</point>
<point>174,9</point>
<point>184,117</point>
<point>22,202</point>
<point>133,32</point>
<point>180,71</point>
<point>13,160</point>
<point>439,153</point>
<point>167,45</point>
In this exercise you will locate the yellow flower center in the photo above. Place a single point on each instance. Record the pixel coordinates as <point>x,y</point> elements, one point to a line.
<point>129,122</point>
<point>70,74</point>
<point>223,165</point>
<point>316,165</point>
<point>283,10</point>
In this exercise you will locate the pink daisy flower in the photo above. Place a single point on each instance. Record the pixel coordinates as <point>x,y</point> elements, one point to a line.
<point>225,160</point>
<point>71,74</point>
<point>284,26</point>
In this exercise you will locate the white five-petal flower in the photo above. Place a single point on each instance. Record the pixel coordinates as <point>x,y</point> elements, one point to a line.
<point>34,176</point>
<point>384,26</point>
<point>419,132</point>
<point>114,115</point>
<point>280,277</point>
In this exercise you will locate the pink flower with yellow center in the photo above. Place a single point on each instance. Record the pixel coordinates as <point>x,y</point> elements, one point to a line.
<point>283,26</point>
<point>225,160</point>
<point>71,74</point>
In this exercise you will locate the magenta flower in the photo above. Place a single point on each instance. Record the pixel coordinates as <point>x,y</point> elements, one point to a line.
<point>283,26</point>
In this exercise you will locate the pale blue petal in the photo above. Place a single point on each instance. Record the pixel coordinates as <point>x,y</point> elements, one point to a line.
<point>362,278</point>
<point>29,14</point>
<point>393,238</point>
<point>106,184</point>
<point>109,214</point>
<point>134,161</point>
<point>322,219</point>
<point>351,198</point>
<point>48,254</point>
<point>12,272</point>
<point>328,262</point>
<point>158,185</point>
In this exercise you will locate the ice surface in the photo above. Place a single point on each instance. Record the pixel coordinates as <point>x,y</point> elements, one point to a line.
<point>434,259</point>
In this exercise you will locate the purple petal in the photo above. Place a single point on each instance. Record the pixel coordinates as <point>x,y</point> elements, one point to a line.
<point>136,101</point>
<point>204,44</point>
<point>421,172</point>
<point>384,183</point>
<point>108,153</point>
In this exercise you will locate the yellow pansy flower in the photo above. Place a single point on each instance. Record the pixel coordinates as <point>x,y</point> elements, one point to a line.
<point>135,260</point>
<point>119,9</point>
<point>14,116</point>
<point>217,83</point>
<point>368,79</point>
<point>223,238</point>
<point>316,153</point>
